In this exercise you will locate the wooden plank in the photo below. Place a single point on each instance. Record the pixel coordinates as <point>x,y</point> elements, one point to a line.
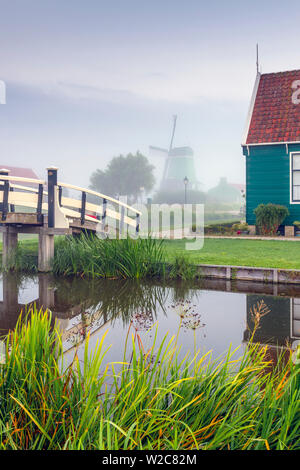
<point>40,203</point>
<point>59,194</point>
<point>21,218</point>
<point>76,215</point>
<point>76,226</point>
<point>76,203</point>
<point>122,219</point>
<point>82,209</point>
<point>52,188</point>
<point>22,199</point>
<point>5,200</point>
<point>137,229</point>
<point>37,229</point>
<point>26,188</point>
<point>12,206</point>
<point>104,213</point>
<point>117,216</point>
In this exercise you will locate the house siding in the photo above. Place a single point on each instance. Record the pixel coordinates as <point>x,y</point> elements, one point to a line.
<point>268,179</point>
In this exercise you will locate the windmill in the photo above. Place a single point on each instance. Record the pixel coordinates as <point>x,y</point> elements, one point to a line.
<point>178,164</point>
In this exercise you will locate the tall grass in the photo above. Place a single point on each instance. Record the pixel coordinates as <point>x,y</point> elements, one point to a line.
<point>94,257</point>
<point>183,269</point>
<point>155,401</point>
<point>90,256</point>
<point>23,259</point>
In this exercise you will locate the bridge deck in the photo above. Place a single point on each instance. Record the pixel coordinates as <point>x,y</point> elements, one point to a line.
<point>31,223</point>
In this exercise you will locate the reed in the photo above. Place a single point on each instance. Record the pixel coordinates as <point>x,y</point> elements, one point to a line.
<point>89,256</point>
<point>154,401</point>
<point>94,257</point>
<point>182,268</point>
<point>23,259</point>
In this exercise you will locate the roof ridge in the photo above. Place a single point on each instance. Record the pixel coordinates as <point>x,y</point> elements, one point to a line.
<point>281,72</point>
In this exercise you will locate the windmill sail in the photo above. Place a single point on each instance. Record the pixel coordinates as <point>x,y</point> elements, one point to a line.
<point>157,152</point>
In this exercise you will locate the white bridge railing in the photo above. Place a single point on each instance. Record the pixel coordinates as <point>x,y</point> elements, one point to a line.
<point>47,197</point>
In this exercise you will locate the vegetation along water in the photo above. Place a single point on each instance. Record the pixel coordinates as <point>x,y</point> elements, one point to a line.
<point>152,401</point>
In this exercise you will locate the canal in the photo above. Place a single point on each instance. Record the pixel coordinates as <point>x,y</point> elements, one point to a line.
<point>206,315</point>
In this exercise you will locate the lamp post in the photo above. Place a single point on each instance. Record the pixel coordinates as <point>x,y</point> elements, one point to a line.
<point>186,181</point>
<point>142,189</point>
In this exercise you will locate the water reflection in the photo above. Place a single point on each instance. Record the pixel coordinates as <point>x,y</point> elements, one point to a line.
<point>220,311</point>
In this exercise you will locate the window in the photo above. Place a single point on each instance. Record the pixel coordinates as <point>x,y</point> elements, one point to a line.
<point>295,319</point>
<point>295,169</point>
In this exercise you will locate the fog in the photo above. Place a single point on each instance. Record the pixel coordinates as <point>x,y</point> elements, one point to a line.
<point>86,81</point>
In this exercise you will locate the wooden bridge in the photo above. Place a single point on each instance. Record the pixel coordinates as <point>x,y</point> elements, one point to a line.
<point>40,207</point>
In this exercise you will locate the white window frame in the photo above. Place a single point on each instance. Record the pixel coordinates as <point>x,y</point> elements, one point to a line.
<point>291,177</point>
<point>292,319</point>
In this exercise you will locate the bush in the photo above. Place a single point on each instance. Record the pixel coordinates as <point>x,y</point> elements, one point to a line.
<point>241,227</point>
<point>269,217</point>
<point>224,228</point>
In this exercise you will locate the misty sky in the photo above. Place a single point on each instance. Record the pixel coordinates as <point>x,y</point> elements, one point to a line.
<point>90,79</point>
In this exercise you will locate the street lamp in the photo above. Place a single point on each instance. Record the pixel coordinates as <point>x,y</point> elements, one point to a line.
<point>186,181</point>
<point>142,189</point>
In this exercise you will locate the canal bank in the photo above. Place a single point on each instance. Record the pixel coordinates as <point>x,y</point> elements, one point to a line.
<point>250,273</point>
<point>160,259</point>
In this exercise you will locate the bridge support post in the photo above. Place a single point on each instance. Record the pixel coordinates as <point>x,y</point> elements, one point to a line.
<point>10,243</point>
<point>52,183</point>
<point>46,251</point>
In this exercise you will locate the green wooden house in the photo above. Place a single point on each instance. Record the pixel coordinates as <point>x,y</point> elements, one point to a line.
<point>271,146</point>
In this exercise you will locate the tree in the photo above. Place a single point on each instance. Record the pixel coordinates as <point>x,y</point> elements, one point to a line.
<point>128,175</point>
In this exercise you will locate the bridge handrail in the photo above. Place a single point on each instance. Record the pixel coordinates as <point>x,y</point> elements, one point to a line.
<point>64,185</point>
<point>56,200</point>
<point>20,178</point>
<point>102,196</point>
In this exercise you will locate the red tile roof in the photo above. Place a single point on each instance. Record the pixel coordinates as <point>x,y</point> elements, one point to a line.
<point>23,172</point>
<point>275,118</point>
<point>17,171</point>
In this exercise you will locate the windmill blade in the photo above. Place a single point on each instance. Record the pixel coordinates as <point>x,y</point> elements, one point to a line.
<point>158,152</point>
<point>173,131</point>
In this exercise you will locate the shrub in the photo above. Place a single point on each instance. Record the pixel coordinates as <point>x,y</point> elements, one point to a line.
<point>269,217</point>
<point>243,227</point>
<point>222,228</point>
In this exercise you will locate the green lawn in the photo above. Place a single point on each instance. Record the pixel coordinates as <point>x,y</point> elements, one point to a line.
<point>262,253</point>
<point>238,252</point>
